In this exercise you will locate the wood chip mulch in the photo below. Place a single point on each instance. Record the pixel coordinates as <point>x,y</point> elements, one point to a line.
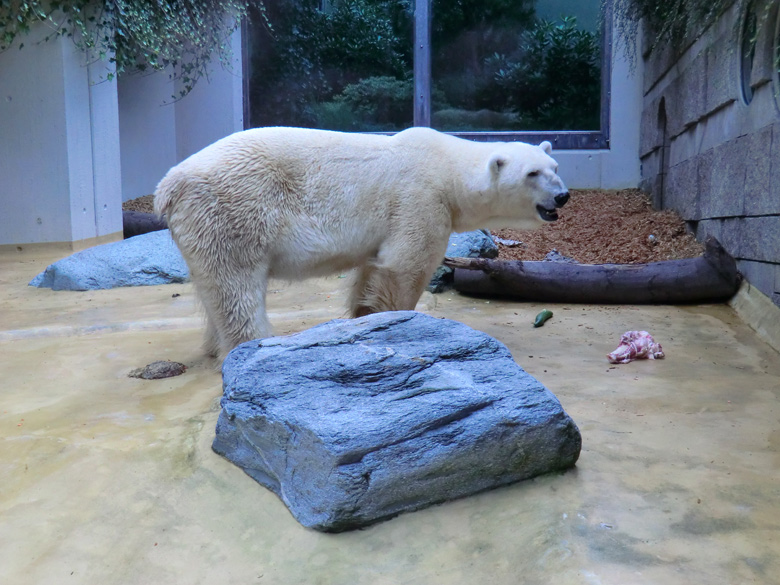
<point>143,204</point>
<point>606,227</point>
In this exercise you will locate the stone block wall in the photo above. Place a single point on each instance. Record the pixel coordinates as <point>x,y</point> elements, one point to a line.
<point>710,147</point>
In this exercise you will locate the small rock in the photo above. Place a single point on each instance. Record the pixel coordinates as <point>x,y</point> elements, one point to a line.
<point>158,370</point>
<point>476,244</point>
<point>441,280</point>
<point>555,256</point>
<point>507,243</point>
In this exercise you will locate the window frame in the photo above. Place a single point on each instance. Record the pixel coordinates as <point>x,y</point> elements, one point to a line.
<point>560,139</point>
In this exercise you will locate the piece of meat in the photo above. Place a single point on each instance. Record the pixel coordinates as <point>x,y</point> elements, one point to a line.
<point>636,345</point>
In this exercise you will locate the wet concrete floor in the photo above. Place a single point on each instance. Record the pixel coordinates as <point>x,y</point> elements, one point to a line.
<point>109,479</point>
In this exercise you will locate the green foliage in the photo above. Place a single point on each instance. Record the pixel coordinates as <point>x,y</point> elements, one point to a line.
<point>347,65</point>
<point>451,17</point>
<point>678,22</point>
<point>460,120</point>
<point>554,81</point>
<point>354,34</point>
<point>669,20</point>
<point>135,34</point>
<point>311,55</point>
<point>385,100</point>
<point>543,77</point>
<point>373,103</point>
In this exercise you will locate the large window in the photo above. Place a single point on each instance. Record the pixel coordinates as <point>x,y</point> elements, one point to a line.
<point>483,69</point>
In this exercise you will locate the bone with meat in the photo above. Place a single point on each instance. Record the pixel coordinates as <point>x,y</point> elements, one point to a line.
<point>635,345</point>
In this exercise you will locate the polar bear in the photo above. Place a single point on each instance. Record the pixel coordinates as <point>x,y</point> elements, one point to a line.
<point>291,203</point>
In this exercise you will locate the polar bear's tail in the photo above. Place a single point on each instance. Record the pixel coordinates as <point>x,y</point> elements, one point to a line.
<point>167,191</point>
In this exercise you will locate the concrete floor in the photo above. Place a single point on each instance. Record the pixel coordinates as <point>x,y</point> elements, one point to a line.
<point>108,479</point>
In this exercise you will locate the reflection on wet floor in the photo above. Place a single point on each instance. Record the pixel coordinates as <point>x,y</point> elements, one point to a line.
<point>111,479</point>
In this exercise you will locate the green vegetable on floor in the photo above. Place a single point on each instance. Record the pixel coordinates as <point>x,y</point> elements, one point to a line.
<point>542,317</point>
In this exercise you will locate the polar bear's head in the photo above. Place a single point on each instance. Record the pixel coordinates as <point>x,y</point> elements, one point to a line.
<point>526,183</point>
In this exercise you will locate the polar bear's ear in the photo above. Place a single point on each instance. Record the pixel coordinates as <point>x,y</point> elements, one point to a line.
<point>497,162</point>
<point>546,147</point>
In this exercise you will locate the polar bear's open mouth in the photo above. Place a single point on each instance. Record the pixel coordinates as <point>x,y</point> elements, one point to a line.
<point>547,214</point>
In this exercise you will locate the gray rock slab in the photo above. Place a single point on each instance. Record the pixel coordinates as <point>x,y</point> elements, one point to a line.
<point>355,421</point>
<point>148,259</point>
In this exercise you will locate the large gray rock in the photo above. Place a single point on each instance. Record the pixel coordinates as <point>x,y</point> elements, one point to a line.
<point>355,421</point>
<point>147,259</point>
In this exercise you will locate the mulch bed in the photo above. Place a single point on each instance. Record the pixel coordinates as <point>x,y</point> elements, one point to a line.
<point>143,204</point>
<point>606,227</point>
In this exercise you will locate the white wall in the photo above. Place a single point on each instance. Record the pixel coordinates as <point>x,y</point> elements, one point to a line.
<point>214,108</point>
<point>106,170</point>
<point>147,131</point>
<point>158,131</point>
<point>617,167</point>
<point>59,176</point>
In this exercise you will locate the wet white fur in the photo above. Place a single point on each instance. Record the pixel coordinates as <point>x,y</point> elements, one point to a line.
<point>292,203</point>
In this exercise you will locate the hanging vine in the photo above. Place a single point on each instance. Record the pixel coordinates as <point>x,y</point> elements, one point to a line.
<point>670,20</point>
<point>183,35</point>
<point>678,22</point>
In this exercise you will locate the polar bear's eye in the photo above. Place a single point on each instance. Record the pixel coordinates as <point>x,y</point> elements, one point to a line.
<point>533,174</point>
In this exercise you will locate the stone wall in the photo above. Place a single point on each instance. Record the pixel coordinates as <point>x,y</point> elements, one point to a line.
<point>710,142</point>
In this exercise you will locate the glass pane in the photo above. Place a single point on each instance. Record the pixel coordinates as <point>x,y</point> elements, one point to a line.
<point>332,64</point>
<point>516,65</point>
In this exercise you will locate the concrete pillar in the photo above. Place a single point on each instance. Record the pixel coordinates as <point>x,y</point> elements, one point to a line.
<point>59,151</point>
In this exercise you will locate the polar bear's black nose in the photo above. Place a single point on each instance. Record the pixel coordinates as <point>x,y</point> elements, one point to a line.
<point>561,199</point>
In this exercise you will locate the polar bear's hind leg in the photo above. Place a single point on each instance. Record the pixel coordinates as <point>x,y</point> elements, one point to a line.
<point>235,308</point>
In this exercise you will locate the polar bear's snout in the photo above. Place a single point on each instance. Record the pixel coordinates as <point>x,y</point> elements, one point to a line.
<point>548,212</point>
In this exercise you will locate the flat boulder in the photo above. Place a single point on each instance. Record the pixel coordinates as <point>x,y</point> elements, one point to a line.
<point>355,421</point>
<point>148,259</point>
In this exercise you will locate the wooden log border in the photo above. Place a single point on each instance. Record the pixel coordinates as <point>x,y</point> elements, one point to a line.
<point>712,277</point>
